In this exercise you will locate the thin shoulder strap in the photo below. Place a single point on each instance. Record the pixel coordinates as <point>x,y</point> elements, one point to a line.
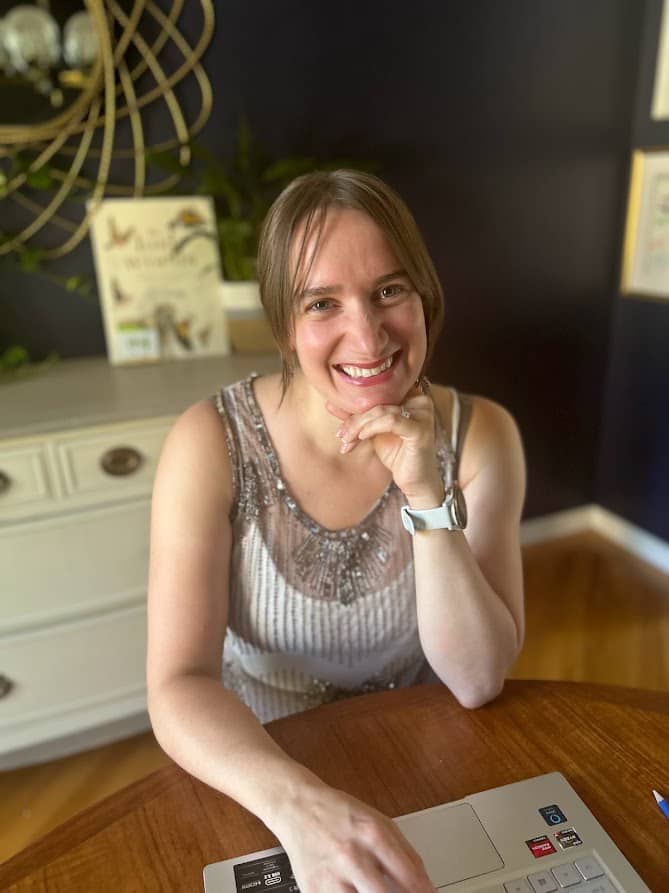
<point>461,409</point>
<point>455,419</point>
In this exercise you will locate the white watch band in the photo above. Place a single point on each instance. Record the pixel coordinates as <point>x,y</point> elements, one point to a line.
<point>450,515</point>
<point>427,519</point>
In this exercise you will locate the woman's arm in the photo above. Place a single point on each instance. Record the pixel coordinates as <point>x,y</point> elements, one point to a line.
<point>469,587</point>
<point>332,839</point>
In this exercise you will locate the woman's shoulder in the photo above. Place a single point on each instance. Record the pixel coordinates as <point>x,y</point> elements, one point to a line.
<point>491,431</point>
<point>196,434</point>
<point>486,414</point>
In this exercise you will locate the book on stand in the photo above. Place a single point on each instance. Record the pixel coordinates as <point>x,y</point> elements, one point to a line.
<point>159,278</point>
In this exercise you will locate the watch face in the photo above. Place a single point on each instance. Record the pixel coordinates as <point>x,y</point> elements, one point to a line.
<point>458,507</point>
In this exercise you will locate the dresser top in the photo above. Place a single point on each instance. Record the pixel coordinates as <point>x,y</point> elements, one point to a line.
<point>89,391</point>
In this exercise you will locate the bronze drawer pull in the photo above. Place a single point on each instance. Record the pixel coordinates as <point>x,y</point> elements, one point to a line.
<point>5,482</point>
<point>6,685</point>
<point>121,461</point>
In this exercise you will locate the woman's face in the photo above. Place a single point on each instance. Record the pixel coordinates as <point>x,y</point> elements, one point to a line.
<point>359,329</point>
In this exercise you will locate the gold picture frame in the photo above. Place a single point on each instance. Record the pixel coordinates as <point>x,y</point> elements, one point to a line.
<point>645,267</point>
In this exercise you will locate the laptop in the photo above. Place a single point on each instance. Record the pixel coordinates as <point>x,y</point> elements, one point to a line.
<point>533,836</point>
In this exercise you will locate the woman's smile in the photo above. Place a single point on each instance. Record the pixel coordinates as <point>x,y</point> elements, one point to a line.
<point>366,374</point>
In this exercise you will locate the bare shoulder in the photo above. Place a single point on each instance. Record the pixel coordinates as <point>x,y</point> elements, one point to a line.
<point>195,451</point>
<point>492,436</point>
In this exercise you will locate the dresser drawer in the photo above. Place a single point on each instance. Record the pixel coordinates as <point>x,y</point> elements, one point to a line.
<point>74,564</point>
<point>72,677</point>
<point>26,481</point>
<point>118,461</point>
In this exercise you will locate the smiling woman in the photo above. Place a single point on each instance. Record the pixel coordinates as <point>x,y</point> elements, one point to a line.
<point>291,238</point>
<point>279,534</point>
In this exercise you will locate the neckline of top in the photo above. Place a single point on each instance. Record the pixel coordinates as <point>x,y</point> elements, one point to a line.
<point>284,491</point>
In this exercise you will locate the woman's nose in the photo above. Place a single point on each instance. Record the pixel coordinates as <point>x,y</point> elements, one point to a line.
<point>367,331</point>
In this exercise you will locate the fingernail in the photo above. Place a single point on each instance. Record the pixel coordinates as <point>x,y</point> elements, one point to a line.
<point>339,433</point>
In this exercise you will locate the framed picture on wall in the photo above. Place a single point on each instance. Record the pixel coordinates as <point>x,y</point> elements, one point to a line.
<point>159,278</point>
<point>645,271</point>
<point>660,101</point>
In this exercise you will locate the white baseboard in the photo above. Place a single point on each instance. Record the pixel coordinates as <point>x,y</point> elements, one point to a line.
<point>593,517</point>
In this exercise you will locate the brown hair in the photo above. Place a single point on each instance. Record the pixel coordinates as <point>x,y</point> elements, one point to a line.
<point>303,204</point>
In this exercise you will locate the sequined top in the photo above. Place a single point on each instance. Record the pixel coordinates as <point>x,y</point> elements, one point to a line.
<point>314,614</point>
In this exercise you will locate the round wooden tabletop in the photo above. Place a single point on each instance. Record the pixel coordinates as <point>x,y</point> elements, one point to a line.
<point>400,751</point>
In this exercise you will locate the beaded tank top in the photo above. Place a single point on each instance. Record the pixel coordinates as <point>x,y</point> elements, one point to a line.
<point>314,614</point>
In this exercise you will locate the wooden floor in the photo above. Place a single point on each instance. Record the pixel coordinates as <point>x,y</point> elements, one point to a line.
<point>593,614</point>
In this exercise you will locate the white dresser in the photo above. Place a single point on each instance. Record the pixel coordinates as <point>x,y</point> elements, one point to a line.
<point>79,444</point>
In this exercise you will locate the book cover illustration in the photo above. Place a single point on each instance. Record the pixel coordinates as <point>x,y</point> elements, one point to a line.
<point>159,278</point>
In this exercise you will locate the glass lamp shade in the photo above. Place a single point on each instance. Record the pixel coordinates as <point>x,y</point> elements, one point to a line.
<point>80,40</point>
<point>31,38</point>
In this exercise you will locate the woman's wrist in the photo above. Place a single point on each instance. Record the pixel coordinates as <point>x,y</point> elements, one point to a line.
<point>428,495</point>
<point>295,785</point>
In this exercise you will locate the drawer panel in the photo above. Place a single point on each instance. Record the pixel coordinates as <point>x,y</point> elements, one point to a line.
<point>25,483</point>
<point>79,563</point>
<point>72,677</point>
<point>80,458</point>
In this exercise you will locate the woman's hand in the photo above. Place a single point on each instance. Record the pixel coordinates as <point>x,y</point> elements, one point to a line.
<point>403,438</point>
<point>337,844</point>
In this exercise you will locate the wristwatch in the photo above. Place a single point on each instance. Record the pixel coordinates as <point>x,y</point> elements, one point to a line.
<point>450,515</point>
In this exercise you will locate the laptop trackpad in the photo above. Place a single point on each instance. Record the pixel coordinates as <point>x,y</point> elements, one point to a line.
<point>452,843</point>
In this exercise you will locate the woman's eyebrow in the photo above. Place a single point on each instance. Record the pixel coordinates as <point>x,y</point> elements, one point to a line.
<point>318,291</point>
<point>396,274</point>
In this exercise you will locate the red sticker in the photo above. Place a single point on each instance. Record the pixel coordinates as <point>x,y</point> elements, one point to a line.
<point>540,846</point>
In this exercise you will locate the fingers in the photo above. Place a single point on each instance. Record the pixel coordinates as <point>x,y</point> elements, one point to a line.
<point>402,864</point>
<point>404,870</point>
<point>390,866</point>
<point>340,845</point>
<point>413,418</point>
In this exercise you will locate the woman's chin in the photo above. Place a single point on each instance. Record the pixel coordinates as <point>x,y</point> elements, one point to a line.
<point>364,399</point>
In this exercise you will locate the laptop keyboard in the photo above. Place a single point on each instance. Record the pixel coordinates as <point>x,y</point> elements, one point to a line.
<point>584,875</point>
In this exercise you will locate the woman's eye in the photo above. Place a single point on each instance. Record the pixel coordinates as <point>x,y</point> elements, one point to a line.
<point>320,306</point>
<point>392,291</point>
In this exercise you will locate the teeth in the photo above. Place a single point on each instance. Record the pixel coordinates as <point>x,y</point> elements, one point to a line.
<point>358,372</point>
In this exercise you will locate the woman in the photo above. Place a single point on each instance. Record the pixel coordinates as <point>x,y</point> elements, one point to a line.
<point>278,532</point>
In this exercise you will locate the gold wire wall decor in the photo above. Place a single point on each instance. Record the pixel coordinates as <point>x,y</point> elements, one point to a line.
<point>79,144</point>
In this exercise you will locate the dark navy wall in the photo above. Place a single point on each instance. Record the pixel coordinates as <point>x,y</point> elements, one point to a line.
<point>506,126</point>
<point>633,478</point>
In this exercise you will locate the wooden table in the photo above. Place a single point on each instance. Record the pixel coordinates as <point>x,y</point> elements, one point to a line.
<point>399,751</point>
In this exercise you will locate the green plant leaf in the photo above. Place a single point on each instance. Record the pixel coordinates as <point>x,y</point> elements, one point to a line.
<point>167,161</point>
<point>74,283</point>
<point>13,357</point>
<point>217,184</point>
<point>30,259</point>
<point>40,178</point>
<point>286,169</point>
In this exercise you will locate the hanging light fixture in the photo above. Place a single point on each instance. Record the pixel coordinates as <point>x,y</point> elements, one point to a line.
<point>115,65</point>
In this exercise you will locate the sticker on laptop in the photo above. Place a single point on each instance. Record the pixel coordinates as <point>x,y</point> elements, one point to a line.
<point>266,873</point>
<point>553,815</point>
<point>540,846</point>
<point>568,838</point>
